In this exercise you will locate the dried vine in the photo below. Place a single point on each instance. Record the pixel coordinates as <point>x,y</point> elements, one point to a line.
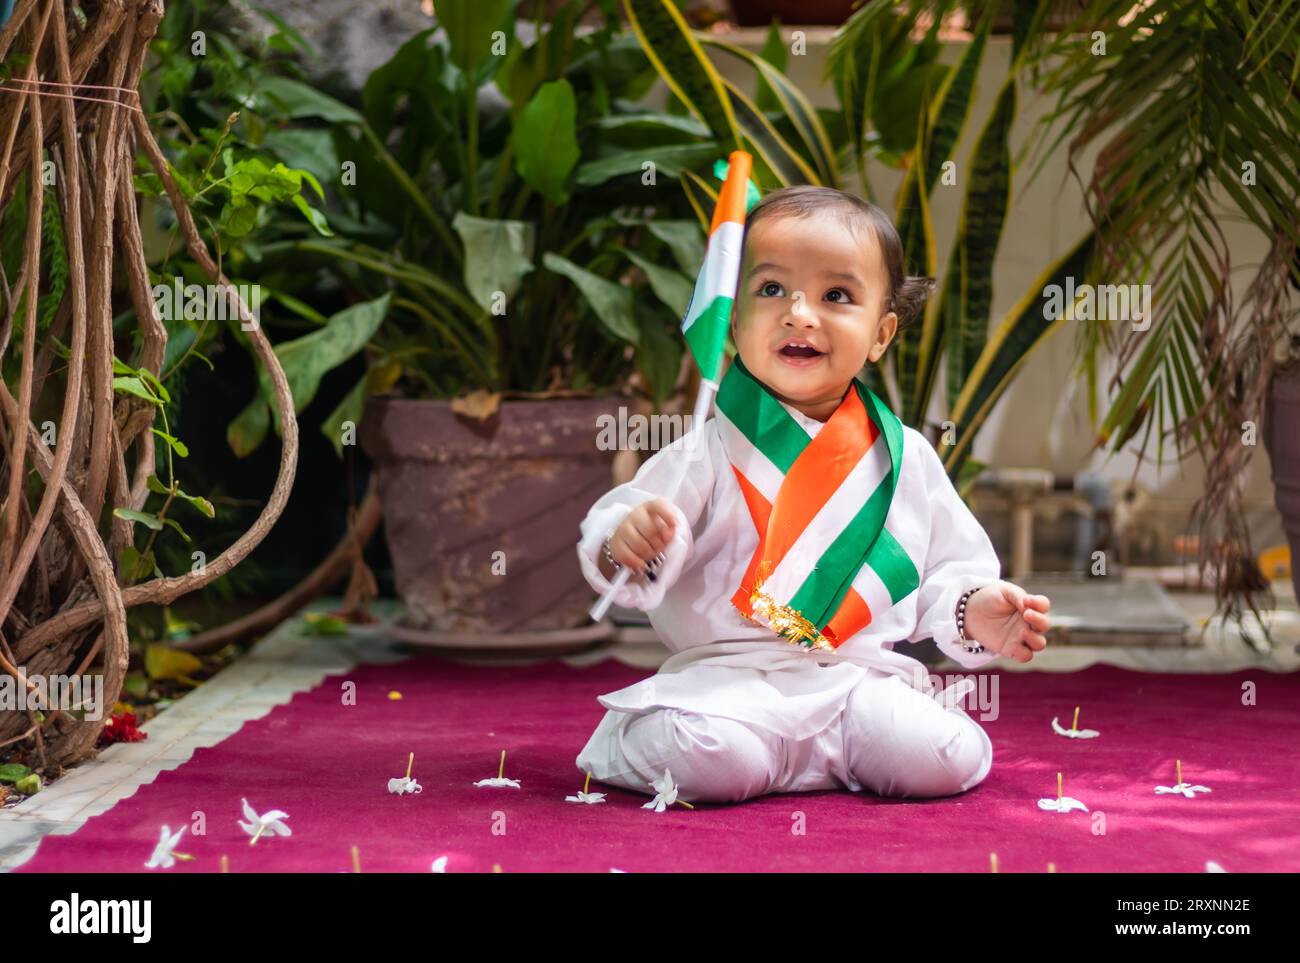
<point>72,103</point>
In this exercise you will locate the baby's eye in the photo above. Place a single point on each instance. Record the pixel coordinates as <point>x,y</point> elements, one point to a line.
<point>770,289</point>
<point>844,296</point>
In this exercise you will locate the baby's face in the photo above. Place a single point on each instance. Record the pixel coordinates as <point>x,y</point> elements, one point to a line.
<point>810,309</point>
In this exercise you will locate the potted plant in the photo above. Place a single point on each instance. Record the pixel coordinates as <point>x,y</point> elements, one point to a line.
<point>518,209</point>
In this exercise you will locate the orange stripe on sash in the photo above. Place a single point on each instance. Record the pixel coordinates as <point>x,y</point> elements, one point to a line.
<point>816,474</point>
<point>760,509</point>
<point>852,616</point>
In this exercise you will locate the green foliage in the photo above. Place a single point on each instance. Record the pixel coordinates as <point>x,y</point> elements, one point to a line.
<point>305,361</point>
<point>514,240</point>
<point>903,105</point>
<point>139,563</point>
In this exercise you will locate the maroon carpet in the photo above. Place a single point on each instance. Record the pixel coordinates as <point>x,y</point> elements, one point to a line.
<point>327,765</point>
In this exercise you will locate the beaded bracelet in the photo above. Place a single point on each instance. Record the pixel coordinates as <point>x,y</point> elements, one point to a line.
<point>968,644</point>
<point>609,555</point>
<point>654,563</point>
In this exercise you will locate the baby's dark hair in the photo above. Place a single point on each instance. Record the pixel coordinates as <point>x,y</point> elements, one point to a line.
<point>907,294</point>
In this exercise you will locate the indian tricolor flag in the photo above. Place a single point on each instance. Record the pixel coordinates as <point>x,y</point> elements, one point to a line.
<point>708,316</point>
<point>709,313</point>
<point>825,564</point>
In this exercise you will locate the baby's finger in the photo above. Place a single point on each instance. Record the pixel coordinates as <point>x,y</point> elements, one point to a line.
<point>665,530</point>
<point>662,511</point>
<point>1037,620</point>
<point>652,532</point>
<point>1033,640</point>
<point>636,550</point>
<point>1039,602</point>
<point>1016,649</point>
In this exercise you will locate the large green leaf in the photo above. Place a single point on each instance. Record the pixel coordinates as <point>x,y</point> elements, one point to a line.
<point>375,381</point>
<point>470,25</point>
<point>299,100</point>
<point>497,256</point>
<point>307,359</point>
<point>676,54</point>
<point>984,208</point>
<point>671,287</point>
<point>654,128</point>
<point>684,239</point>
<point>612,303</point>
<point>670,160</point>
<point>659,354</point>
<point>247,431</point>
<point>310,150</point>
<point>416,66</point>
<point>545,140</point>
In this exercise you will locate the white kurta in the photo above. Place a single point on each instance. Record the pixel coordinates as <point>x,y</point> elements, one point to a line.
<point>723,664</point>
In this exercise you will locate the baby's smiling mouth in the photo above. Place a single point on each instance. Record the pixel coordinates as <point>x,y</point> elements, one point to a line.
<point>799,352</point>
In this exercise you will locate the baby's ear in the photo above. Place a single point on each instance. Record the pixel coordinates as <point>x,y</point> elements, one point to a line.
<point>885,332</point>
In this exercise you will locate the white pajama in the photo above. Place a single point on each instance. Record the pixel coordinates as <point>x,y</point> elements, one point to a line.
<point>890,739</point>
<point>737,712</point>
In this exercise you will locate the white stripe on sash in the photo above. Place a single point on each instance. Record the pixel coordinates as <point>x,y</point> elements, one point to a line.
<point>813,542</point>
<point>753,464</point>
<point>873,591</point>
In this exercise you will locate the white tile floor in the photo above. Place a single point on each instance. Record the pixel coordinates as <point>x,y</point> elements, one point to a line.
<point>287,662</point>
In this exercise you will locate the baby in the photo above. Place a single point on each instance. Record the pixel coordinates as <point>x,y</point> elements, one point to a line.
<point>811,532</point>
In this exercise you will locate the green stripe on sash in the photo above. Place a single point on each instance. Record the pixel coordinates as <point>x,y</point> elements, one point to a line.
<point>890,562</point>
<point>760,418</point>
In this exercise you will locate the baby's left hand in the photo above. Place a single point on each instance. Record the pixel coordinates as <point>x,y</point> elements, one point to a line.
<point>1007,620</point>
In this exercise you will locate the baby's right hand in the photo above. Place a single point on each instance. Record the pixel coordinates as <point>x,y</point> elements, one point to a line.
<point>642,537</point>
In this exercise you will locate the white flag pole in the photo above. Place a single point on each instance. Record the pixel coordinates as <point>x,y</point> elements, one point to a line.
<point>703,402</point>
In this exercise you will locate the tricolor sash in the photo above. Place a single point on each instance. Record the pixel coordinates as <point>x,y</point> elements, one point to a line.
<point>825,564</point>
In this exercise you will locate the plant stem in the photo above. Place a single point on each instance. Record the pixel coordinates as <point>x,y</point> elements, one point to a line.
<point>471,149</point>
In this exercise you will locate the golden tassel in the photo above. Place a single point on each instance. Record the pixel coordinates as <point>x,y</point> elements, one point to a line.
<point>785,621</point>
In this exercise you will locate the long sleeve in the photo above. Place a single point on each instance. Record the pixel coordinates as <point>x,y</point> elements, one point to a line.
<point>960,557</point>
<point>653,480</point>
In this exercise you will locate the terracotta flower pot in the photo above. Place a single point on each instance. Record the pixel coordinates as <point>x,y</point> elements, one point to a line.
<point>481,518</point>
